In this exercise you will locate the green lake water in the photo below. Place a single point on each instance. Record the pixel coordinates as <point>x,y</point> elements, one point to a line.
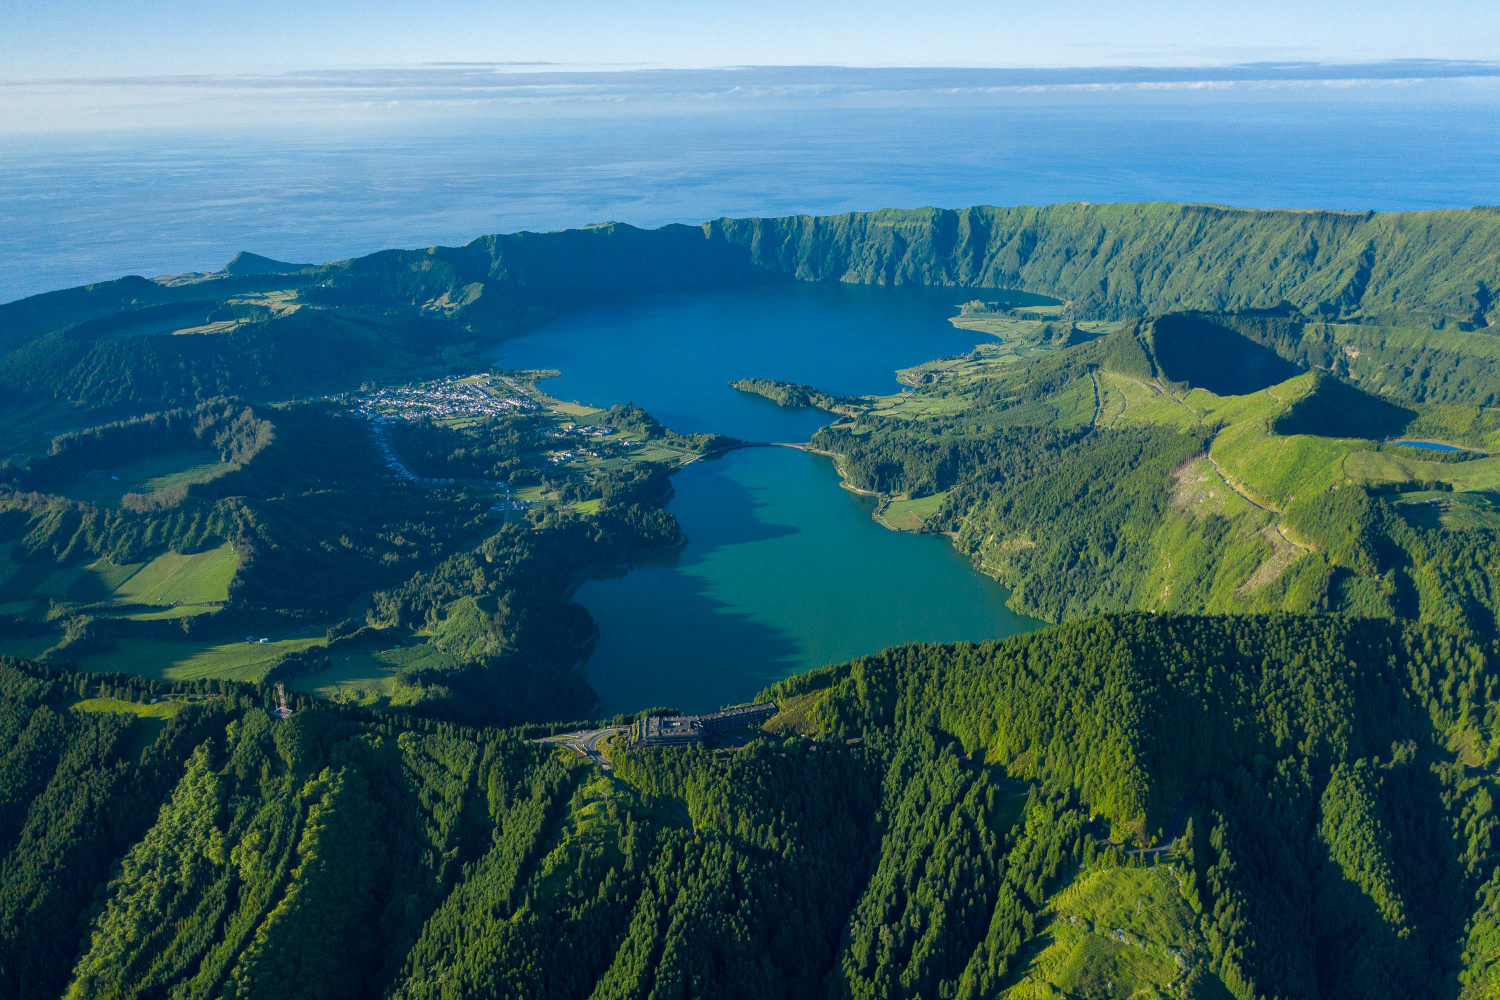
<point>783,570</point>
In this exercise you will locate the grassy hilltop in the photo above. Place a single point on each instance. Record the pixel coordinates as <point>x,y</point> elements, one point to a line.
<point>1105,476</point>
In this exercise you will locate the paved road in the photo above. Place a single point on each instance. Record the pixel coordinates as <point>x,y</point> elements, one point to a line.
<point>1176,830</point>
<point>585,743</point>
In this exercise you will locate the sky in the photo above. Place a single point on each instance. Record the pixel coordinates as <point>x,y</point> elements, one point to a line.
<point>110,65</point>
<point>49,39</point>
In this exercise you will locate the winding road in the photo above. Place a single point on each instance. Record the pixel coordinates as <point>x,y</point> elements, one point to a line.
<point>585,743</point>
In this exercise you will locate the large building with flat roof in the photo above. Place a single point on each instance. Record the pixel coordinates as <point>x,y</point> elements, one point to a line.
<point>686,730</point>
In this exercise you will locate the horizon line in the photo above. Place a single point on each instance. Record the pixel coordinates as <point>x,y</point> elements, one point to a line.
<point>1310,70</point>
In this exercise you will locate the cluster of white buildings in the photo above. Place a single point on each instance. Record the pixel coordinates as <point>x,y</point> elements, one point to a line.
<point>445,397</point>
<point>591,430</point>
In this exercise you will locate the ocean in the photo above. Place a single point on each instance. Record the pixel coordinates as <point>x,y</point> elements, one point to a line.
<point>81,207</point>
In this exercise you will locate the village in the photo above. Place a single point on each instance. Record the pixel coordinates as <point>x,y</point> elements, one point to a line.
<point>453,396</point>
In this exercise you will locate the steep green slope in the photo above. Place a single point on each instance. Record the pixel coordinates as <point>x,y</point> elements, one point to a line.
<point>1103,477</point>
<point>1403,357</point>
<point>1109,261</point>
<point>1333,408</point>
<point>1117,261</point>
<point>217,351</point>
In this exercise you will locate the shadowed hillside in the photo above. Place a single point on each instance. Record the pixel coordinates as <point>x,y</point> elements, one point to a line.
<point>1199,352</point>
<point>1337,409</point>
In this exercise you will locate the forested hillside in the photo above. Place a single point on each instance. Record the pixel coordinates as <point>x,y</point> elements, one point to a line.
<point>1172,462</point>
<point>946,825</point>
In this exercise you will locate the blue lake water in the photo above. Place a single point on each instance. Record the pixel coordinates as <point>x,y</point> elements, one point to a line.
<point>1434,446</point>
<point>675,355</point>
<point>783,570</point>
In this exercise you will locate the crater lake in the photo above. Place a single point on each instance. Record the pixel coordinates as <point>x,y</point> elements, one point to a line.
<point>782,569</point>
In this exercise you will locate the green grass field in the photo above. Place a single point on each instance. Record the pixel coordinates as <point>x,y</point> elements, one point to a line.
<point>162,614</point>
<point>657,453</point>
<point>915,405</point>
<point>29,647</point>
<point>368,674</point>
<point>160,710</point>
<point>1118,933</point>
<point>1385,467</point>
<point>172,585</point>
<point>182,659</point>
<point>1457,511</point>
<point>574,409</point>
<point>171,578</point>
<point>910,514</point>
<point>147,475</point>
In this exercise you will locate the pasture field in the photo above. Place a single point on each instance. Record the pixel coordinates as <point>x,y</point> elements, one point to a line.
<point>184,659</point>
<point>29,647</point>
<point>573,409</point>
<point>172,585</point>
<point>1479,509</point>
<point>172,578</point>
<point>146,475</point>
<point>160,710</point>
<point>367,674</point>
<point>162,614</point>
<point>908,514</point>
<point>1117,932</point>
<point>913,406</point>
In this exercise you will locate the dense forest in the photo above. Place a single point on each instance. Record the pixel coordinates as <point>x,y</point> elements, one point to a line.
<point>934,821</point>
<point>791,394</point>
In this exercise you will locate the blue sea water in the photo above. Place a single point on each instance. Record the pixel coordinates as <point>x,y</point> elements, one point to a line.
<point>82,207</point>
